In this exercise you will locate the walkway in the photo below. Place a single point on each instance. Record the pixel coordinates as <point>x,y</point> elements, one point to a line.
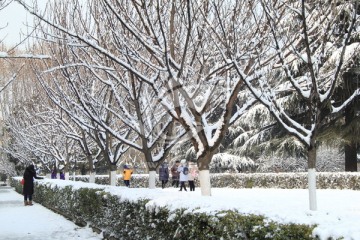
<point>35,222</point>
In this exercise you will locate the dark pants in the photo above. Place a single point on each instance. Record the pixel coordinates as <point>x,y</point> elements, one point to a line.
<point>182,185</point>
<point>26,197</point>
<point>175,182</point>
<point>192,185</point>
<point>127,183</point>
<point>163,183</point>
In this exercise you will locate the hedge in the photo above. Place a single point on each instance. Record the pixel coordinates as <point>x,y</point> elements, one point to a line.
<point>341,180</point>
<point>118,218</point>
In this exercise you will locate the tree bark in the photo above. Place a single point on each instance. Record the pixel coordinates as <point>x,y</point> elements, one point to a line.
<point>91,169</point>
<point>312,177</point>
<point>92,177</point>
<point>351,157</point>
<point>67,175</point>
<point>113,175</point>
<point>152,179</point>
<point>204,172</point>
<point>350,148</point>
<point>205,184</point>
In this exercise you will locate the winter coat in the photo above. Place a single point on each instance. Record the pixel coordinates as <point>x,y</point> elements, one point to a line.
<point>193,173</point>
<point>164,172</point>
<point>183,177</point>
<point>127,174</point>
<point>29,175</point>
<point>174,172</point>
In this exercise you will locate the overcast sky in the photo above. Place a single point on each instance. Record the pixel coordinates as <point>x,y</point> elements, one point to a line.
<point>12,21</point>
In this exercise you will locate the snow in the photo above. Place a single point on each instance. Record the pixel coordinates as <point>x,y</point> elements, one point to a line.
<point>6,55</point>
<point>3,55</point>
<point>35,222</point>
<point>338,213</point>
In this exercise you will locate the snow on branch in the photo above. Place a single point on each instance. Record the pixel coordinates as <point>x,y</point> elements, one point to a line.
<point>347,102</point>
<point>26,56</point>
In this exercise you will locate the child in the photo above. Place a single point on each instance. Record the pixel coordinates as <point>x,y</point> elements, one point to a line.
<point>127,175</point>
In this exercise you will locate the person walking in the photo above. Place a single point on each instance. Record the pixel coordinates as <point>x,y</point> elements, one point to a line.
<point>53,174</point>
<point>184,172</point>
<point>28,187</point>
<point>193,174</point>
<point>127,175</point>
<point>164,174</point>
<point>175,174</point>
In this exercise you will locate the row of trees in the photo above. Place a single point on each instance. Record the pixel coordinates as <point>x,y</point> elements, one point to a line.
<point>146,76</point>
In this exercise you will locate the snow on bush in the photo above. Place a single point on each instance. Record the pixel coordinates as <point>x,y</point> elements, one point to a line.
<point>325,180</point>
<point>224,162</point>
<point>112,212</point>
<point>328,160</point>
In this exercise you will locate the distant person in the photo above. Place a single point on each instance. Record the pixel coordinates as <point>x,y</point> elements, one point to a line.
<point>175,174</point>
<point>53,174</point>
<point>127,175</point>
<point>28,188</point>
<point>164,174</point>
<point>62,176</point>
<point>193,174</point>
<point>184,174</point>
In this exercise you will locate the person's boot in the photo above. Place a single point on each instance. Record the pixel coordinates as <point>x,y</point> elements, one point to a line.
<point>30,203</point>
<point>26,203</point>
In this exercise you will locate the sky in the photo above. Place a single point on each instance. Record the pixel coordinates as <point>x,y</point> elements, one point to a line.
<point>13,18</point>
<point>338,213</point>
<point>13,21</point>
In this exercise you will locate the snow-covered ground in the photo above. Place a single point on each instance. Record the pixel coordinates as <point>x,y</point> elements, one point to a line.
<point>338,212</point>
<point>35,222</point>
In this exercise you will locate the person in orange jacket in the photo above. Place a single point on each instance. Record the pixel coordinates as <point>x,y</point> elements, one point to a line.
<point>127,175</point>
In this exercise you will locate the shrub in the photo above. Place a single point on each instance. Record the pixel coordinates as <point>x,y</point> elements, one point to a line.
<point>124,219</point>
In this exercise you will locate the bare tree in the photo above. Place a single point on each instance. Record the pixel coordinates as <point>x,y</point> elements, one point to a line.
<point>96,87</point>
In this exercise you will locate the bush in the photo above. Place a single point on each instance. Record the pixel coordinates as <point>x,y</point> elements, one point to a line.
<point>124,219</point>
<point>341,180</point>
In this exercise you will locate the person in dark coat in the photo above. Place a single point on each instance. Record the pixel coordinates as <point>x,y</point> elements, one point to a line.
<point>53,174</point>
<point>164,174</point>
<point>28,188</point>
<point>175,174</point>
<point>62,176</point>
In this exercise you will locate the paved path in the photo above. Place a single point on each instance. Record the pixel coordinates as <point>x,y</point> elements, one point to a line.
<point>19,222</point>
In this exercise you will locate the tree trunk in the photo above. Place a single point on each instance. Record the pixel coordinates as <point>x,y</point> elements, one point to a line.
<point>152,166</point>
<point>66,168</point>
<point>350,157</point>
<point>113,175</point>
<point>92,177</point>
<point>152,179</point>
<point>205,184</point>
<point>91,169</point>
<point>312,177</point>
<point>350,149</point>
<point>204,173</point>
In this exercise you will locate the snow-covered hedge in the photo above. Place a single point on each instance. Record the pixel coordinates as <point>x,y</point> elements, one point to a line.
<point>119,217</point>
<point>342,180</point>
